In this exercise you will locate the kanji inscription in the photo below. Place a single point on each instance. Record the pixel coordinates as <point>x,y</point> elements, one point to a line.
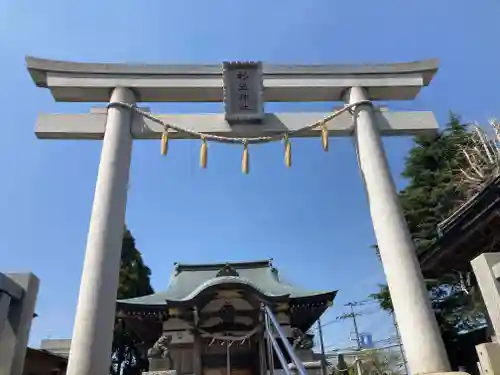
<point>243,91</point>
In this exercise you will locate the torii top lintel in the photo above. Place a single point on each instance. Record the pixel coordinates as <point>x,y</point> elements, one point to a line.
<point>92,82</point>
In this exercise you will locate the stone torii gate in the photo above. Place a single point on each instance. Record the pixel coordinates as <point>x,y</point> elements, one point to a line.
<point>119,84</point>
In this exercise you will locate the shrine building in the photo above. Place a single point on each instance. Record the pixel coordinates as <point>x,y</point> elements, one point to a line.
<point>212,315</point>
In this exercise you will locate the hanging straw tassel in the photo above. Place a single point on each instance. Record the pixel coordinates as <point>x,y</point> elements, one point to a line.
<point>245,160</point>
<point>164,142</point>
<point>288,151</point>
<point>203,153</point>
<point>324,136</point>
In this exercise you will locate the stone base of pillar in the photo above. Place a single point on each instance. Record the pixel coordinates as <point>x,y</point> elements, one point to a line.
<point>160,364</point>
<point>312,368</point>
<point>163,372</point>
<point>489,358</point>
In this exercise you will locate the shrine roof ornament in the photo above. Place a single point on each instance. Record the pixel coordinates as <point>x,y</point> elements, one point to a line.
<point>91,82</point>
<point>190,281</point>
<point>227,270</point>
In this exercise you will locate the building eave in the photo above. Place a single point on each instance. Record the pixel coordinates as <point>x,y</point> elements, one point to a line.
<point>458,241</point>
<point>305,313</point>
<point>138,306</point>
<point>315,297</point>
<point>459,214</point>
<point>47,353</point>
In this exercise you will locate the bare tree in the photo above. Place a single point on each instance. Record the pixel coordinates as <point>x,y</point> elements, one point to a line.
<point>482,159</point>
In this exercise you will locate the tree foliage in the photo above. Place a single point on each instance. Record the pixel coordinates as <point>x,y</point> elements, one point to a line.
<point>134,282</point>
<point>381,362</point>
<point>373,362</point>
<point>135,276</point>
<point>430,196</point>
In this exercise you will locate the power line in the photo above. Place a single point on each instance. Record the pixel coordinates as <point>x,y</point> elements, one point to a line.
<point>342,317</point>
<point>388,343</point>
<point>389,340</point>
<point>353,314</point>
<point>330,322</point>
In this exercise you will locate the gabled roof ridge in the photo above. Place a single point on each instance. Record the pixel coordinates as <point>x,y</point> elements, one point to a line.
<point>180,267</point>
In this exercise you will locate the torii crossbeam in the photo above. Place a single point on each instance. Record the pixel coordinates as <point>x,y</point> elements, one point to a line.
<point>123,83</point>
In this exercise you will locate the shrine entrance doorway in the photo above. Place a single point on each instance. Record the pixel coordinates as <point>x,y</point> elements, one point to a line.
<point>241,358</point>
<point>240,365</point>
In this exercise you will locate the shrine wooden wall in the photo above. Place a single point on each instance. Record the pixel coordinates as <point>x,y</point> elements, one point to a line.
<point>183,356</point>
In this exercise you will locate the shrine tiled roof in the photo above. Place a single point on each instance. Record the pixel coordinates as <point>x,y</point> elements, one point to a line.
<point>187,282</point>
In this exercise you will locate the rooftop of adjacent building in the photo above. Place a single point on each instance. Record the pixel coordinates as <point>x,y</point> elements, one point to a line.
<point>45,362</point>
<point>59,347</point>
<point>465,234</point>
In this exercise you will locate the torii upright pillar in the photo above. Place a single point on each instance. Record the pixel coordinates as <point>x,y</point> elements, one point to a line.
<point>82,82</point>
<point>397,251</point>
<point>95,313</point>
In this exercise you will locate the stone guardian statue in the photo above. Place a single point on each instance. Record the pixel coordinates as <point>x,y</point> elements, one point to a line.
<point>159,356</point>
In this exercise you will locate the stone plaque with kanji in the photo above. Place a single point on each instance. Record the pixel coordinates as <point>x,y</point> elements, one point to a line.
<point>243,89</point>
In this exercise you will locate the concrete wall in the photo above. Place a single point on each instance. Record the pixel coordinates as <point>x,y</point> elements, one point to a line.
<point>18,292</point>
<point>487,271</point>
<point>57,346</point>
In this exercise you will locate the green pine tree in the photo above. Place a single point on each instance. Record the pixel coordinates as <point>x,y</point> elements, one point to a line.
<point>430,196</point>
<point>135,276</point>
<point>134,282</point>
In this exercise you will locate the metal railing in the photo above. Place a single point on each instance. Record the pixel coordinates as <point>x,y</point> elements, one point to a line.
<point>272,326</point>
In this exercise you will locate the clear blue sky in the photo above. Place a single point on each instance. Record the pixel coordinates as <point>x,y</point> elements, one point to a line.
<point>313,219</point>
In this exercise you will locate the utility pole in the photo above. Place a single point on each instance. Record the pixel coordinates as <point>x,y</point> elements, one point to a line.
<point>322,344</point>
<point>401,348</point>
<point>352,315</point>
